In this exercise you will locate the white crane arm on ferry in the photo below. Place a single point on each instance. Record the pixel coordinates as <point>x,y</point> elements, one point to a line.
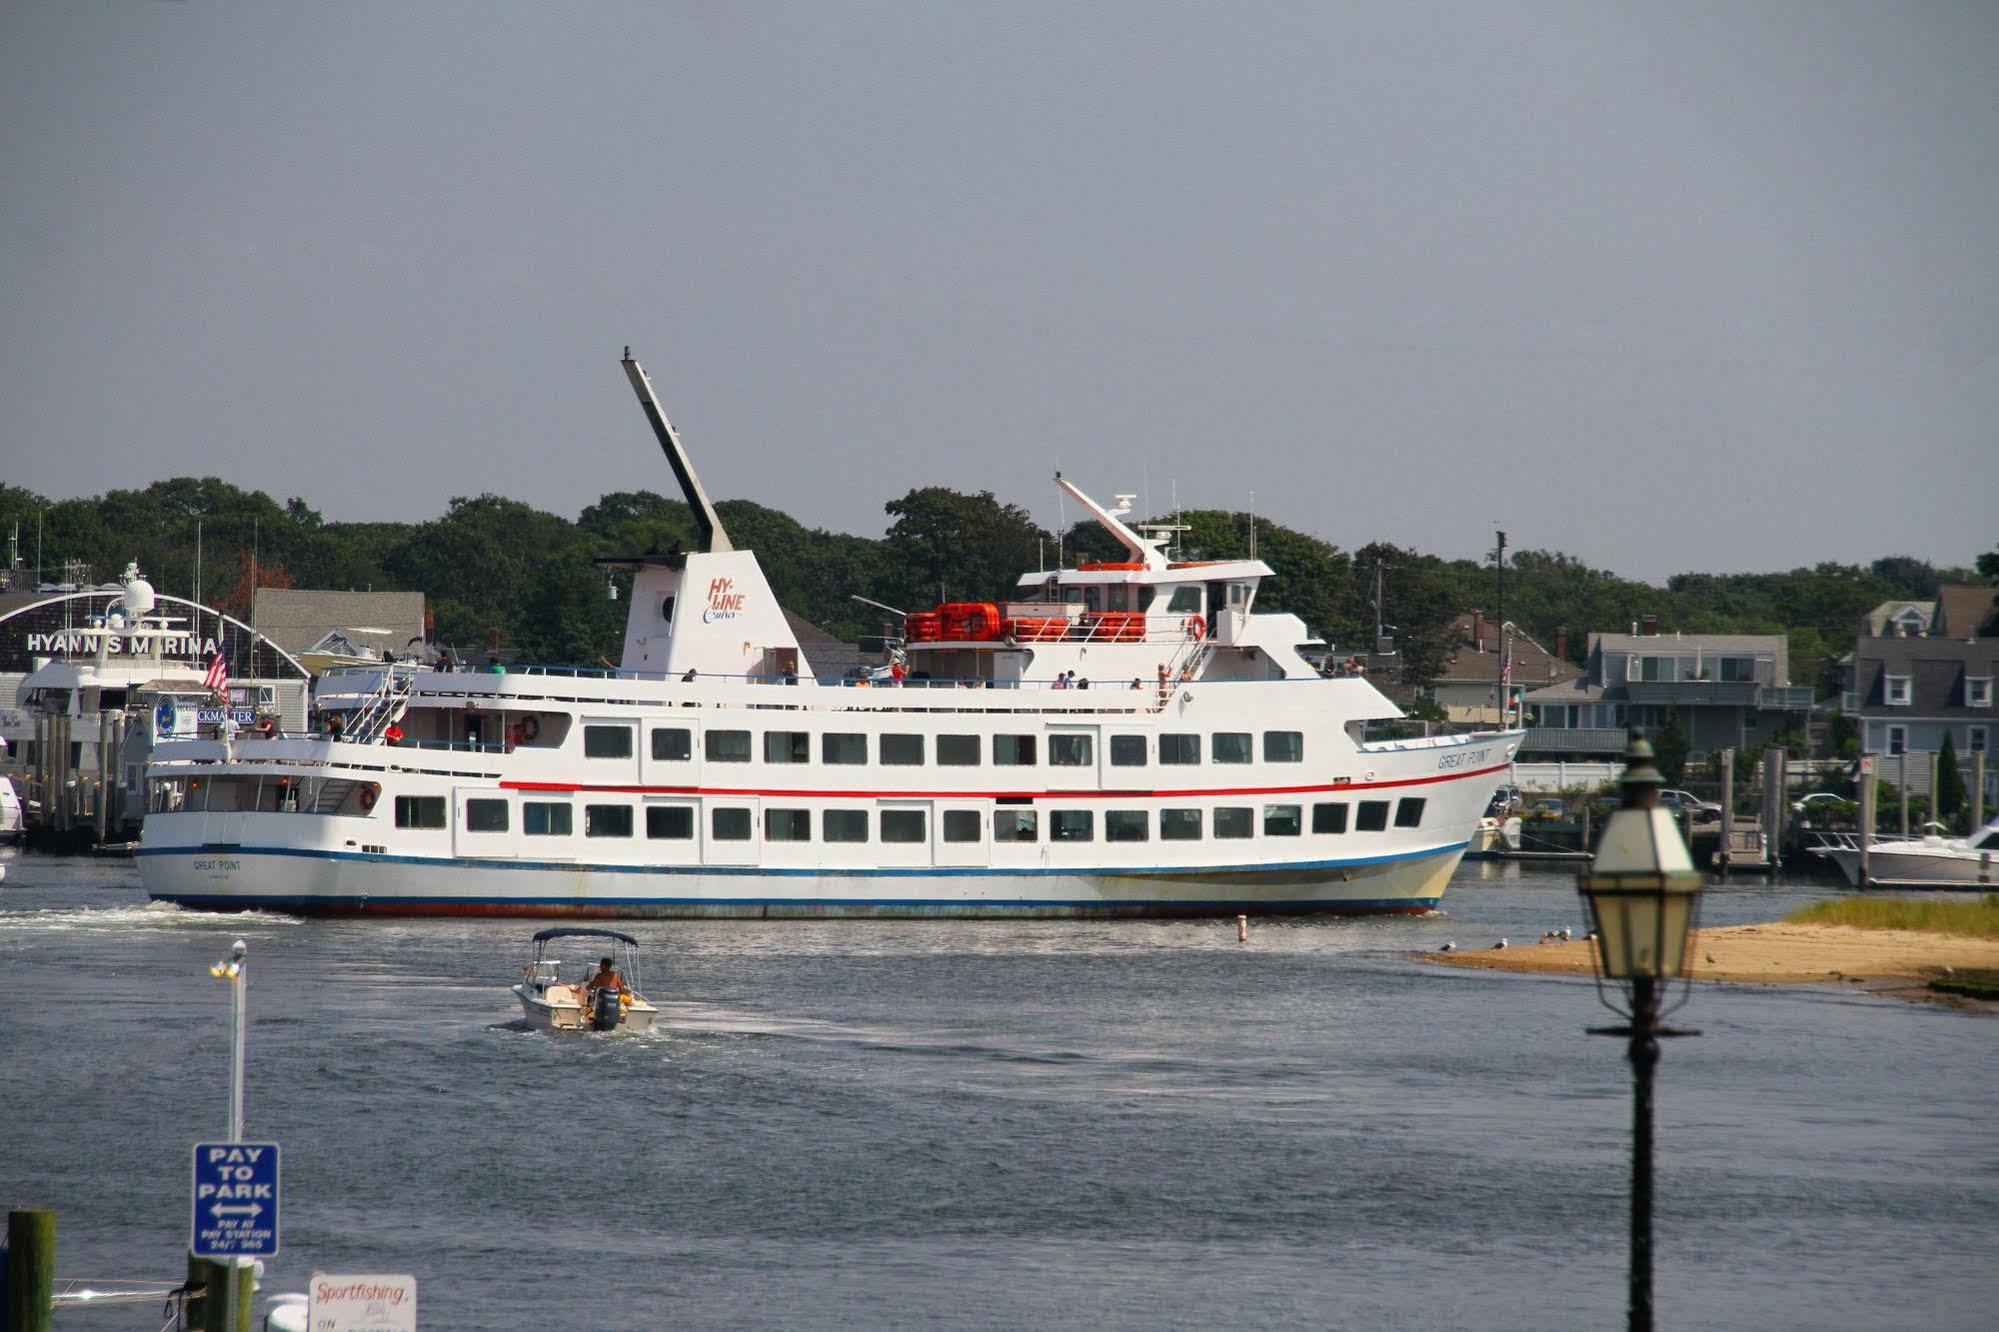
<point>1147,553</point>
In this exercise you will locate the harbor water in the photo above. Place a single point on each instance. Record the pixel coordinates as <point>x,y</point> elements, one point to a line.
<point>1002,1124</point>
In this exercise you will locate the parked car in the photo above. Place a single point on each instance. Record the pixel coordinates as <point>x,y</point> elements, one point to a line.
<point>1820,802</point>
<point>1682,801</point>
<point>1547,807</point>
<point>1502,802</point>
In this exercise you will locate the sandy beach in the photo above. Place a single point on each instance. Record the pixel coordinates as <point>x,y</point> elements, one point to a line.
<point>1775,954</point>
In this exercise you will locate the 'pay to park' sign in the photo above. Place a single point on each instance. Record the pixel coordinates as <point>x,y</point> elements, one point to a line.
<point>235,1200</point>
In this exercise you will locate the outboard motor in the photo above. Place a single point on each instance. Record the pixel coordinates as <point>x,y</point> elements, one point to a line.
<point>607,1010</point>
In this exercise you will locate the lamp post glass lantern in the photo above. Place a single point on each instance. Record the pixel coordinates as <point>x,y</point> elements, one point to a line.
<point>1643,894</point>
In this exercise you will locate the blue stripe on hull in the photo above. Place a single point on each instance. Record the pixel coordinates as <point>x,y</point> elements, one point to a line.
<point>1219,878</point>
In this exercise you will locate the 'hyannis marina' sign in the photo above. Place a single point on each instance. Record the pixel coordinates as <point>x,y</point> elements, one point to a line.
<point>53,627</point>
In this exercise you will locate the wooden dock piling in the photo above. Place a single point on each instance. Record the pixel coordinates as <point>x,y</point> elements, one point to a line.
<point>31,1270</point>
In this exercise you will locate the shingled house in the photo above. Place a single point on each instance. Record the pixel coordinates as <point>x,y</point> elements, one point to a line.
<point>1908,684</point>
<point>1467,688</point>
<point>1728,690</point>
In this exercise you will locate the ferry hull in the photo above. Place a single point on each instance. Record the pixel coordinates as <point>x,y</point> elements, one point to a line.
<point>333,885</point>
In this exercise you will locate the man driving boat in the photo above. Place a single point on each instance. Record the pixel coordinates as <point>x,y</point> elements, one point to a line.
<point>607,978</point>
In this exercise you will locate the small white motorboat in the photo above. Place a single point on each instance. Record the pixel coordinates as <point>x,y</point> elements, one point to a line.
<point>1929,861</point>
<point>603,998</point>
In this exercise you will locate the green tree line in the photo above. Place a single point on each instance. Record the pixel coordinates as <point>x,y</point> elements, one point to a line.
<point>489,565</point>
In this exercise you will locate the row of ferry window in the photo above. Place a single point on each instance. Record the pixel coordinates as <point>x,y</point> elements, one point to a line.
<point>676,744</point>
<point>735,823</point>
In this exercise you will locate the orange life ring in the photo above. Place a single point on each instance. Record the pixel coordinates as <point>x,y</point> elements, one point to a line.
<point>368,798</point>
<point>1196,627</point>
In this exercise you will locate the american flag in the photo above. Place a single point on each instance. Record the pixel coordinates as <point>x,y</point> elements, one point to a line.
<point>217,677</point>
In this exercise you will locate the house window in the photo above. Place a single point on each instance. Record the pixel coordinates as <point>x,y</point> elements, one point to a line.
<point>1071,825</point>
<point>607,820</point>
<point>1974,739</point>
<point>1282,821</point>
<point>672,744</point>
<point>903,825</point>
<point>1283,746</point>
<point>542,818</point>
<point>1373,816</point>
<point>1898,739</point>
<point>1235,822</point>
<point>607,742</point>
<point>1013,751</point>
<point>1179,825</point>
<point>419,811</point>
<point>1409,813</point>
<point>1330,818</point>
<point>902,751</point>
<point>670,823</point>
<point>844,825</point>
<point>958,751</point>
<point>1016,825</point>
<point>787,825</point>
<point>727,746</point>
<point>961,825</point>
<point>729,823</point>
<point>843,747</point>
<point>486,816</point>
<point>787,747</point>
<point>1978,691</point>
<point>1732,669</point>
<point>1231,747</point>
<point>1127,751</point>
<point>1895,690</point>
<point>1179,749</point>
<point>1069,751</point>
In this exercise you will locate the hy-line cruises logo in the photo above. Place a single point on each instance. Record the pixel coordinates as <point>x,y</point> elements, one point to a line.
<point>724,602</point>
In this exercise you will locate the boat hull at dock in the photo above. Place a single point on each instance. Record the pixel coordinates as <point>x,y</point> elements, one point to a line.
<point>246,878</point>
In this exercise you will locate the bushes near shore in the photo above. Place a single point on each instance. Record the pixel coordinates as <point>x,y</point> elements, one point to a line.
<point>1978,919</point>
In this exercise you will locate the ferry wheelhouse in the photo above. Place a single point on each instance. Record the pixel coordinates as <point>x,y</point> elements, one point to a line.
<point>1123,738</point>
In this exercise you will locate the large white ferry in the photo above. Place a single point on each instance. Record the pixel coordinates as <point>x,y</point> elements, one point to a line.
<point>1127,738</point>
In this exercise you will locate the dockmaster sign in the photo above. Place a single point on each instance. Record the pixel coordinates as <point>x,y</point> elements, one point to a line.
<point>235,1200</point>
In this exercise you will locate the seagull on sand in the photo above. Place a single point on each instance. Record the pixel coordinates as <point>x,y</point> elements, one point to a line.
<point>1501,944</point>
<point>1450,946</point>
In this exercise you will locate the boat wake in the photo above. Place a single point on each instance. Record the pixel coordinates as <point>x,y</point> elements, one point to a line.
<point>127,919</point>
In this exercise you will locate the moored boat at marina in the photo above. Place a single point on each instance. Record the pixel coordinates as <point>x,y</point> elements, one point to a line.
<point>1930,861</point>
<point>1122,738</point>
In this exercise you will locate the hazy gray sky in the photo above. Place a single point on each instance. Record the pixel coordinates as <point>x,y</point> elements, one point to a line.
<point>1666,286</point>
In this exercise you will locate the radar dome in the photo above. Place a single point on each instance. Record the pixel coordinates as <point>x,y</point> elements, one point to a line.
<point>138,597</point>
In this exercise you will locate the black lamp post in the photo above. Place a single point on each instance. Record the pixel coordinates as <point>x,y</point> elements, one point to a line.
<point>1643,891</point>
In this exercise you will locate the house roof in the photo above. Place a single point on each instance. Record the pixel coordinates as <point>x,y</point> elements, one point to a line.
<point>1936,667</point>
<point>1962,609</point>
<point>1468,664</point>
<point>295,617</point>
<point>1874,624</point>
<point>1577,690</point>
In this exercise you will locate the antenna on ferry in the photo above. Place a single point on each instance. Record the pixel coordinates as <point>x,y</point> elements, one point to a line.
<point>712,537</point>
